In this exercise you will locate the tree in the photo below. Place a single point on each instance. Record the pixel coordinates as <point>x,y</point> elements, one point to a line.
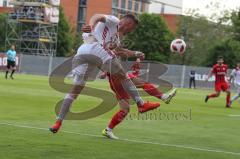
<point>229,49</point>
<point>151,37</point>
<point>235,18</point>
<point>65,37</point>
<point>201,34</point>
<point>3,18</point>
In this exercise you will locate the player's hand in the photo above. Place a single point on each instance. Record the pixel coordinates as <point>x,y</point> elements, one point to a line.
<point>140,55</point>
<point>87,29</point>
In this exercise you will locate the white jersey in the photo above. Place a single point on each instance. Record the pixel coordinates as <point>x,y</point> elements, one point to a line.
<point>107,32</point>
<point>95,43</point>
<point>236,74</point>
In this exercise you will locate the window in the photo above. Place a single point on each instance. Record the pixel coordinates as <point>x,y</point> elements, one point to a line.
<point>4,3</point>
<point>129,4</point>
<point>115,3</point>
<point>142,7</point>
<point>83,2</point>
<point>136,8</point>
<point>82,11</point>
<point>123,4</point>
<point>115,12</point>
<point>82,14</point>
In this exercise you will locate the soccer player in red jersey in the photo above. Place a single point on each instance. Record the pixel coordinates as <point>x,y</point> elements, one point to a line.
<point>123,97</point>
<point>219,70</point>
<point>135,69</point>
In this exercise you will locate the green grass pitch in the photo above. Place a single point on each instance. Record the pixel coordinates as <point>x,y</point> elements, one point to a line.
<point>27,110</point>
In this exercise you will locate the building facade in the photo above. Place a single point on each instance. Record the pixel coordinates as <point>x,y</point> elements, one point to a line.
<point>79,12</point>
<point>174,7</point>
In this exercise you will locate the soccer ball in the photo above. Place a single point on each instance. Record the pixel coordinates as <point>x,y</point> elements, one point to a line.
<point>178,46</point>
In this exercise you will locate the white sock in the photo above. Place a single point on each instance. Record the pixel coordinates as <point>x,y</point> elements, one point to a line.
<point>109,129</point>
<point>164,96</point>
<point>66,104</point>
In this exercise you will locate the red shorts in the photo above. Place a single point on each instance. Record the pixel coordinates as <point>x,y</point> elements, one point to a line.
<point>223,86</point>
<point>118,89</point>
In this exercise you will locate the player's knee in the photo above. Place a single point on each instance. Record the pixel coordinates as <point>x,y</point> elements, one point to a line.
<point>71,96</point>
<point>79,81</point>
<point>125,111</point>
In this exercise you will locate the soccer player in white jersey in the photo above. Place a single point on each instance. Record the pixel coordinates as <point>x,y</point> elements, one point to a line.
<point>94,53</point>
<point>235,75</point>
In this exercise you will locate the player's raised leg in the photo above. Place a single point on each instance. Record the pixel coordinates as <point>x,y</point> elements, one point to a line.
<point>152,90</point>
<point>213,95</point>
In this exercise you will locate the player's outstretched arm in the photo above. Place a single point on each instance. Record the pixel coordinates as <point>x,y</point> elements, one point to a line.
<point>128,53</point>
<point>93,22</point>
<point>97,18</point>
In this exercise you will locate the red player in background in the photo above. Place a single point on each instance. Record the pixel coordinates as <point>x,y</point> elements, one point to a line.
<point>219,70</point>
<point>135,69</point>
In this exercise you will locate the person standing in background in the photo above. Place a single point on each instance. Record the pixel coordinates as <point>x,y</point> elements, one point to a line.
<point>11,64</point>
<point>192,79</point>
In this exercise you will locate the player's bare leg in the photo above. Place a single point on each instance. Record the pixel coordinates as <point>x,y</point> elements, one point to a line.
<point>13,70</point>
<point>117,119</point>
<point>214,95</point>
<point>6,74</point>
<point>153,91</point>
<point>66,104</point>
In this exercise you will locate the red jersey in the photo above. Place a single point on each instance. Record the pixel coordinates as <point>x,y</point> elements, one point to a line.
<point>220,72</point>
<point>136,69</point>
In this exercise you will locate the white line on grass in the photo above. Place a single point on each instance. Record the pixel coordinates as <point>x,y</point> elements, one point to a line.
<point>131,140</point>
<point>232,115</point>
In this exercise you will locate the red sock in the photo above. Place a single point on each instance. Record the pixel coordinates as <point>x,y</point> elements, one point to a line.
<point>152,90</point>
<point>228,98</point>
<point>212,95</point>
<point>117,118</point>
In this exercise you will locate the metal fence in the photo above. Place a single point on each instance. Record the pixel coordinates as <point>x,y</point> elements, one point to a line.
<point>178,75</point>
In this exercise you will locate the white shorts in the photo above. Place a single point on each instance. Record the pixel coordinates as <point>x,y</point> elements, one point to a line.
<point>97,50</point>
<point>90,59</point>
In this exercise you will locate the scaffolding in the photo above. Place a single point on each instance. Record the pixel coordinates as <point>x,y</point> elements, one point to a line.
<point>32,26</point>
